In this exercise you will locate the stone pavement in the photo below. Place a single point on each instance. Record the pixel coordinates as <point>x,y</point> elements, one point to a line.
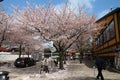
<point>73,71</point>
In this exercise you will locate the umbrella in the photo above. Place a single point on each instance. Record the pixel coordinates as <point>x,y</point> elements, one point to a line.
<point>54,57</point>
<point>72,52</point>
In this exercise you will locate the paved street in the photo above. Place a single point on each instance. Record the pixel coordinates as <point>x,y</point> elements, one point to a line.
<point>73,71</point>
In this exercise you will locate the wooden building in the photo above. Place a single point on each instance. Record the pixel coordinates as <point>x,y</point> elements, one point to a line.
<point>106,41</point>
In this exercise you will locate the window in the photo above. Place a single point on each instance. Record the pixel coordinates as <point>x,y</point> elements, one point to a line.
<point>112,29</point>
<point>107,33</point>
<point>101,39</point>
<point>98,43</point>
<point>119,21</point>
<point>104,34</point>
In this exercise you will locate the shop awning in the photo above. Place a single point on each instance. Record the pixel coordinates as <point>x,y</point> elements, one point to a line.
<point>54,57</point>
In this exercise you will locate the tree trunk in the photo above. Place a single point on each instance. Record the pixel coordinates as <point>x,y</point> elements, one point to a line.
<point>61,61</point>
<point>81,56</point>
<point>20,50</point>
<point>28,53</point>
<point>64,58</point>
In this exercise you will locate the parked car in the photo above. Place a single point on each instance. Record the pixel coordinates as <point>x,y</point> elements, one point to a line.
<point>4,75</point>
<point>24,62</point>
<point>13,49</point>
<point>3,49</point>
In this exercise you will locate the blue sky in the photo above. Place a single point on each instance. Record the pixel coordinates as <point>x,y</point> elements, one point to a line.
<point>98,7</point>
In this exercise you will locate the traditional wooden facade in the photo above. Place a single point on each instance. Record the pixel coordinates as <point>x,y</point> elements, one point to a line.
<point>106,42</point>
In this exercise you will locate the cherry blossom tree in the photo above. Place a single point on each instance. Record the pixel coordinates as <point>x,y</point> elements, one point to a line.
<point>5,23</point>
<point>19,35</point>
<point>63,26</point>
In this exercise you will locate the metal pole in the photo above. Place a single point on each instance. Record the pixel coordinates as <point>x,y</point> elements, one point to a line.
<point>93,70</point>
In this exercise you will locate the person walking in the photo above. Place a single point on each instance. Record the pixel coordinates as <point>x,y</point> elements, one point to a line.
<point>100,64</point>
<point>56,63</point>
<point>45,63</point>
<point>42,67</point>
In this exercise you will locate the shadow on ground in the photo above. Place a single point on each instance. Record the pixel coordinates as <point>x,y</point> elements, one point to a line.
<point>80,78</point>
<point>89,63</point>
<point>84,78</point>
<point>113,70</point>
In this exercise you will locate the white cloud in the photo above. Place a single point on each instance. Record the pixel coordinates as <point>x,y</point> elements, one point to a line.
<point>82,3</point>
<point>103,13</point>
<point>75,3</point>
